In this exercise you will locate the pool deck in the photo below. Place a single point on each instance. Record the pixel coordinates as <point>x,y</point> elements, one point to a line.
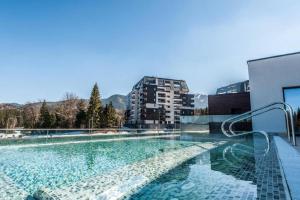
<point>289,157</point>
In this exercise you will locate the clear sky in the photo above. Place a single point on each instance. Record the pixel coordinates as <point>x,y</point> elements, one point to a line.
<point>49,47</point>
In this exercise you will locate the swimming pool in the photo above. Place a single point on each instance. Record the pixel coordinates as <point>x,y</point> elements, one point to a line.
<point>164,167</point>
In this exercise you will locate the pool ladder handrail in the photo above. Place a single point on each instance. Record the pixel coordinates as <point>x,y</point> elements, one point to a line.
<point>286,108</point>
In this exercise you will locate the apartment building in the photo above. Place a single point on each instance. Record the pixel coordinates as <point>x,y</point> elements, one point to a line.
<point>158,103</point>
<point>230,100</point>
<point>239,87</point>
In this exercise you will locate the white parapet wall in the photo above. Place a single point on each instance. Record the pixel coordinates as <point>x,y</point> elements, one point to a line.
<point>268,77</point>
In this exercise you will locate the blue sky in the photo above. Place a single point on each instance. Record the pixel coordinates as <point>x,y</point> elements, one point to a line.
<point>51,47</point>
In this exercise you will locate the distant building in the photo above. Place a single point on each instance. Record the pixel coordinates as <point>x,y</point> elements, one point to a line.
<point>235,88</point>
<point>158,103</point>
<point>222,106</point>
<point>229,104</point>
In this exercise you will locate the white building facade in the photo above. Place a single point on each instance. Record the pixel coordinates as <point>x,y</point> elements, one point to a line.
<point>269,77</point>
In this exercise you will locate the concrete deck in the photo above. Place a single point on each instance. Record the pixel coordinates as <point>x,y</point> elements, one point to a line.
<point>289,157</point>
<point>298,143</point>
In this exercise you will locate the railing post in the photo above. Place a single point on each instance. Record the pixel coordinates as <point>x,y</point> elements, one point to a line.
<point>293,129</point>
<point>287,109</point>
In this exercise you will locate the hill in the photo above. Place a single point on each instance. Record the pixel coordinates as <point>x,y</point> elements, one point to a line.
<point>118,101</point>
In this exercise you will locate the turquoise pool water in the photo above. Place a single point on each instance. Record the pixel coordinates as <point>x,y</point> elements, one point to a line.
<point>178,168</point>
<point>207,176</point>
<point>237,170</point>
<point>58,165</point>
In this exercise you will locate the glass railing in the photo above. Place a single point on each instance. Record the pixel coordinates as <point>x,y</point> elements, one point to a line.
<point>210,123</point>
<point>21,136</point>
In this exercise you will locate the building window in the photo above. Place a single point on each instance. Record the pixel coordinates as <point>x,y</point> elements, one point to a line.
<point>292,97</point>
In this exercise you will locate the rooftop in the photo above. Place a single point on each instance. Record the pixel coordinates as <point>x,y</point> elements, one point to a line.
<point>270,57</point>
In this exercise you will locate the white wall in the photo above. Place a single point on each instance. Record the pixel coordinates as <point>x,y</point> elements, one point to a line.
<point>267,79</point>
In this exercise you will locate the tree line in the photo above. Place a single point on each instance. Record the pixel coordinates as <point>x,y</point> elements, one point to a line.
<point>71,112</point>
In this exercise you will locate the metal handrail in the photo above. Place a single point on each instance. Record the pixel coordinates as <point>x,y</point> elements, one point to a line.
<point>287,109</point>
<point>270,109</point>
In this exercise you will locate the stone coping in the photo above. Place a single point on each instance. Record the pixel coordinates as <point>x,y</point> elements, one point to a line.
<point>86,141</point>
<point>289,158</point>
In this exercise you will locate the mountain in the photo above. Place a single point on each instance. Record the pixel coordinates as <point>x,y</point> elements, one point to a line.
<point>201,101</point>
<point>118,101</point>
<point>10,105</point>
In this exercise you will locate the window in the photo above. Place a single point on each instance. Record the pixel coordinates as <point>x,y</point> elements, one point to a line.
<point>160,82</point>
<point>291,96</point>
<point>161,95</point>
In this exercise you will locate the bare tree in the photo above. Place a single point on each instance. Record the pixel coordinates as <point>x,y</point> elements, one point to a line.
<point>66,112</point>
<point>30,115</point>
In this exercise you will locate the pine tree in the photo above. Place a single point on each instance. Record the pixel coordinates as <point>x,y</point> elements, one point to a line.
<point>81,115</point>
<point>45,119</point>
<point>110,116</point>
<point>94,108</point>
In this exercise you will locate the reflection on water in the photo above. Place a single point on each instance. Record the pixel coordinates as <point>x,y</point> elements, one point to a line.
<point>90,156</point>
<point>228,171</point>
<point>60,165</point>
<point>235,161</point>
